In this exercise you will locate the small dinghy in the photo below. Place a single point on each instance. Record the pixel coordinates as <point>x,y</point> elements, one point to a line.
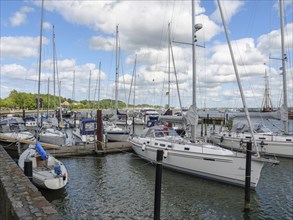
<point>48,172</point>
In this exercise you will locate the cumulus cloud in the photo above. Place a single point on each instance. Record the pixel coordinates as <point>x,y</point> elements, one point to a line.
<point>13,71</point>
<point>20,16</point>
<point>229,8</point>
<point>20,47</point>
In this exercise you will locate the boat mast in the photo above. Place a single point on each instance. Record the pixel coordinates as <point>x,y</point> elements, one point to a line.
<point>73,86</point>
<point>54,71</point>
<point>238,79</point>
<point>284,58</point>
<point>195,28</point>
<point>99,85</point>
<point>117,70</point>
<point>169,45</point>
<point>89,94</point>
<point>175,72</point>
<point>132,83</point>
<point>267,103</point>
<point>40,69</point>
<point>48,97</point>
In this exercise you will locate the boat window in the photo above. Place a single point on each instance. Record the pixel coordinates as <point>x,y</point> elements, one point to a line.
<point>172,132</point>
<point>90,126</point>
<point>14,127</point>
<point>22,127</point>
<point>159,134</point>
<point>4,128</point>
<point>162,145</point>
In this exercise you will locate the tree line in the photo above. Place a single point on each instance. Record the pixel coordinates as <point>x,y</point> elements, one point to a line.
<point>22,100</point>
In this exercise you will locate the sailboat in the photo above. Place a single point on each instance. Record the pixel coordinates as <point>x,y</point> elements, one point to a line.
<point>53,135</point>
<point>48,172</point>
<point>266,142</point>
<point>195,157</point>
<point>111,130</point>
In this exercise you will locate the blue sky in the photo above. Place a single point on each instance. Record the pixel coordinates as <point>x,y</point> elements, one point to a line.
<point>85,36</point>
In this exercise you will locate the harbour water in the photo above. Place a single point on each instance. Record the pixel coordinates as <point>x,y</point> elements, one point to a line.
<point>122,186</point>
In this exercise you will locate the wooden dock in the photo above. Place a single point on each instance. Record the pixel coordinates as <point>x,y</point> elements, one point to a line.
<point>75,150</point>
<point>90,149</point>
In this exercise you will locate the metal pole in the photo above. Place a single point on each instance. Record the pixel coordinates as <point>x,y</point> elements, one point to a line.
<point>40,70</point>
<point>284,58</point>
<point>169,44</point>
<point>117,71</point>
<point>247,176</point>
<point>28,169</point>
<point>158,185</point>
<point>193,127</point>
<point>238,79</point>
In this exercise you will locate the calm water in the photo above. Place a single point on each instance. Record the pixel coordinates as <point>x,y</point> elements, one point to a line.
<point>121,186</point>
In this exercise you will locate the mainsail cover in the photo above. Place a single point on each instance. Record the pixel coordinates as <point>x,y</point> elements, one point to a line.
<point>191,116</point>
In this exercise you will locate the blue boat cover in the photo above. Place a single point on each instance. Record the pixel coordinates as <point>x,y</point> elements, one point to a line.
<point>41,150</point>
<point>88,126</point>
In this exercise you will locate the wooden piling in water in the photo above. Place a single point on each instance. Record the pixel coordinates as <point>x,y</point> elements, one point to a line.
<point>99,130</point>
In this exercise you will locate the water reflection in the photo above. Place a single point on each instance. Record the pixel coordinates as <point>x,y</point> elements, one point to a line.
<point>122,186</point>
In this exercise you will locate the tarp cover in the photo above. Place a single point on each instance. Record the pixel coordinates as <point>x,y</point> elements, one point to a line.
<point>41,150</point>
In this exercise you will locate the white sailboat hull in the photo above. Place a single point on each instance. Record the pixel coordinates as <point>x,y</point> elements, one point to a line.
<point>117,136</point>
<point>281,145</point>
<point>44,174</point>
<point>224,168</point>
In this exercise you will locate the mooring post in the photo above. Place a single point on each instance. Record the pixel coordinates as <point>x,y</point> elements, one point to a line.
<point>99,130</point>
<point>205,128</point>
<point>247,176</point>
<point>159,168</point>
<point>133,126</point>
<point>28,169</point>
<point>201,128</point>
<point>23,114</point>
<point>74,120</point>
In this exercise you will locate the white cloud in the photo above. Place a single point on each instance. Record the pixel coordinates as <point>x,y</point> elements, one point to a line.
<point>271,42</point>
<point>20,16</point>
<point>13,71</point>
<point>229,8</point>
<point>20,47</point>
<point>102,43</point>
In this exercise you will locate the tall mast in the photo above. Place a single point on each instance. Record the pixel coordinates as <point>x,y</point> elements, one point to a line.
<point>284,58</point>
<point>54,69</point>
<point>238,79</point>
<point>117,70</point>
<point>194,28</point>
<point>169,61</point>
<point>99,85</point>
<point>48,97</point>
<point>40,68</point>
<point>267,104</point>
<point>73,86</point>
<point>89,94</point>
